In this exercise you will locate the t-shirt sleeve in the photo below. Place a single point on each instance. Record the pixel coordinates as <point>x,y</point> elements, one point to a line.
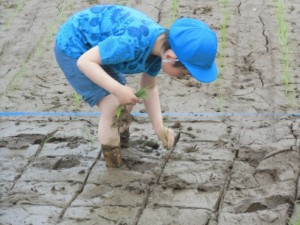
<point>115,50</point>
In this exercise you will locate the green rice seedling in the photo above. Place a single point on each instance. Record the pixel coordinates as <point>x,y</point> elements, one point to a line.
<point>174,10</point>
<point>166,119</point>
<point>77,101</point>
<point>88,136</point>
<point>292,222</point>
<point>297,221</point>
<point>219,99</point>
<point>45,41</point>
<point>225,3</point>
<point>224,37</point>
<point>221,53</point>
<point>283,33</point>
<point>40,48</point>
<point>121,2</point>
<point>119,110</point>
<point>14,83</point>
<point>51,33</point>
<point>142,93</point>
<point>122,117</point>
<point>62,11</point>
<point>48,36</point>
<point>18,8</point>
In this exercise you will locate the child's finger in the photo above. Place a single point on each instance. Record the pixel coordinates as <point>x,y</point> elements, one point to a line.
<point>170,140</point>
<point>140,100</point>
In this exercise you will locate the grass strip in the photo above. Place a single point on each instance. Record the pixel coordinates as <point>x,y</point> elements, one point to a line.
<point>283,36</point>
<point>222,48</point>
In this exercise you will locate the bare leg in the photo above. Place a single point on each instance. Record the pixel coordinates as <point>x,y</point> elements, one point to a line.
<point>109,136</point>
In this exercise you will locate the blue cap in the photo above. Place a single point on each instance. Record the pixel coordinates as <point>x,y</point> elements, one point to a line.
<point>195,45</point>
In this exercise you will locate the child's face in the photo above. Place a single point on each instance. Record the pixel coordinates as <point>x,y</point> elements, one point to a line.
<point>176,72</point>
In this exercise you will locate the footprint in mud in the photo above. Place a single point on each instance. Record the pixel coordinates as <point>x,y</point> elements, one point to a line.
<point>139,166</point>
<point>146,145</point>
<point>173,182</point>
<point>22,141</point>
<point>255,207</point>
<point>68,162</point>
<point>53,163</point>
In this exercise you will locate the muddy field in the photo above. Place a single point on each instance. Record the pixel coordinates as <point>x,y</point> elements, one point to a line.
<point>237,158</point>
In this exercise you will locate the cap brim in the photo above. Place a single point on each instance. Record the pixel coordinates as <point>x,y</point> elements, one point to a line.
<point>203,75</point>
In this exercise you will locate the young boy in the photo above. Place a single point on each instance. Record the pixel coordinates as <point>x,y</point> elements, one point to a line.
<point>96,47</point>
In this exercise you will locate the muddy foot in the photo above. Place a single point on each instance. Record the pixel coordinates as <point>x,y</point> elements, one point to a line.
<point>112,156</point>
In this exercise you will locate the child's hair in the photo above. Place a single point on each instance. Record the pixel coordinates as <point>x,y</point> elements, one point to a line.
<point>166,46</point>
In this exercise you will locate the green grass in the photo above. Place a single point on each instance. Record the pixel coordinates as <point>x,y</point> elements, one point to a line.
<point>77,101</point>
<point>224,36</point>
<point>18,8</point>
<point>283,37</point>
<point>223,42</point>
<point>49,35</point>
<point>14,83</point>
<point>88,136</point>
<point>174,10</point>
<point>39,49</point>
<point>297,221</point>
<point>121,2</point>
<point>292,222</point>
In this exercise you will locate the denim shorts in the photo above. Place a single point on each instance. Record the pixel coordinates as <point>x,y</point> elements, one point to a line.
<point>90,92</point>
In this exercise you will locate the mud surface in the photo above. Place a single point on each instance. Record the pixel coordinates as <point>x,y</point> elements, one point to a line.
<point>237,166</point>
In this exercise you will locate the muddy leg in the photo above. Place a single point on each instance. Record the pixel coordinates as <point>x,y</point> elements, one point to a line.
<point>124,138</point>
<point>124,132</point>
<point>109,138</point>
<point>112,156</point>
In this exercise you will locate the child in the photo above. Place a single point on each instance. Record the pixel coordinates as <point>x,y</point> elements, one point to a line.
<point>96,47</point>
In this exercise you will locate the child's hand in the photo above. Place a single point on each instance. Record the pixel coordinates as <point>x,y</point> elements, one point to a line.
<point>167,137</point>
<point>126,96</point>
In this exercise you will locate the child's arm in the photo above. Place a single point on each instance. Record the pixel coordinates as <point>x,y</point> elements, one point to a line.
<point>89,64</point>
<point>152,104</point>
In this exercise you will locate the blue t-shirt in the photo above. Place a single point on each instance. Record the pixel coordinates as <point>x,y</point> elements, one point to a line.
<point>125,37</point>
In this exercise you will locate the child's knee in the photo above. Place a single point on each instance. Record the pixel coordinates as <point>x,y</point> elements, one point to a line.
<point>108,105</point>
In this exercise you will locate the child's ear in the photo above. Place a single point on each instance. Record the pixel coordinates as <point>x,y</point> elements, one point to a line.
<point>170,54</point>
